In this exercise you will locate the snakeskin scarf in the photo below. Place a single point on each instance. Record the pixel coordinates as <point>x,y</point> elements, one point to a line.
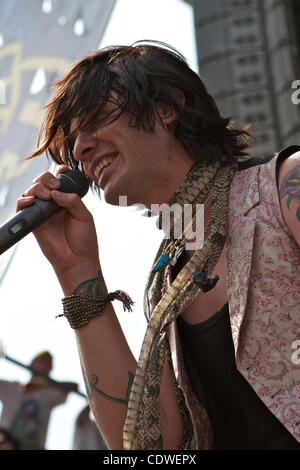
<point>163,304</point>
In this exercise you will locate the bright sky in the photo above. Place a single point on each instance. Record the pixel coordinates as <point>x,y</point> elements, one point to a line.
<point>30,294</point>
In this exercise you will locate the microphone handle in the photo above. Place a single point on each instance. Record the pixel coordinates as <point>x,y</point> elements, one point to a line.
<point>26,221</point>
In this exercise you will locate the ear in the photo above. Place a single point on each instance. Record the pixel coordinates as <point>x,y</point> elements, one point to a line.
<point>166,112</point>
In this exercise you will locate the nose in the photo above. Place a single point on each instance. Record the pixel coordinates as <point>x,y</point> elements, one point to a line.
<point>85,144</point>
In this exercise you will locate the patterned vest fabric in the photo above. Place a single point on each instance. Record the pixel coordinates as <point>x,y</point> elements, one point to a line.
<point>263,281</point>
<point>263,284</point>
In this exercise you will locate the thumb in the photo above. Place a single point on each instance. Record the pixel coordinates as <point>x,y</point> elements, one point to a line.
<point>72,202</point>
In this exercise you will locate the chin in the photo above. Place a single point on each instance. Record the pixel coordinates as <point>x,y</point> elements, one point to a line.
<point>111,199</point>
<point>121,199</point>
<point>111,196</point>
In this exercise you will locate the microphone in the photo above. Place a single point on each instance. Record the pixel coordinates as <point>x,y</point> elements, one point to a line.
<point>28,219</point>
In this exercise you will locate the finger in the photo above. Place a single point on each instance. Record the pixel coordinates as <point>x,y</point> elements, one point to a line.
<point>23,202</point>
<point>48,179</point>
<point>73,203</point>
<point>62,169</point>
<point>38,190</point>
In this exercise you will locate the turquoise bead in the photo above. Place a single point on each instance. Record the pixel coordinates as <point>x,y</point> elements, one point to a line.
<point>163,261</point>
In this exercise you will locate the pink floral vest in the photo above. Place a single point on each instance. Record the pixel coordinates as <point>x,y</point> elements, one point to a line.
<point>263,282</point>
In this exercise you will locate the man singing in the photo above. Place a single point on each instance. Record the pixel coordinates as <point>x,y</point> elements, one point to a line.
<point>215,369</point>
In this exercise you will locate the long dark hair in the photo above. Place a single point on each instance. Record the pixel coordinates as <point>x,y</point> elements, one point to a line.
<point>141,75</point>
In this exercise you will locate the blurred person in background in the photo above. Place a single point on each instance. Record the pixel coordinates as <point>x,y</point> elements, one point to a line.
<point>27,408</point>
<point>86,434</point>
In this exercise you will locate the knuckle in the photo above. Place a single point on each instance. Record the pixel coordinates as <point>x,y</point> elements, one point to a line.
<point>28,192</point>
<point>47,179</point>
<point>74,198</point>
<point>43,177</point>
<point>38,189</point>
<point>23,202</point>
<point>61,169</point>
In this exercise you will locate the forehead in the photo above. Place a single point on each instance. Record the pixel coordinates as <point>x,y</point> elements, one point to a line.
<point>42,358</point>
<point>89,119</point>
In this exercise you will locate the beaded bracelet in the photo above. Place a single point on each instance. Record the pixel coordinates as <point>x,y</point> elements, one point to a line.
<point>79,309</point>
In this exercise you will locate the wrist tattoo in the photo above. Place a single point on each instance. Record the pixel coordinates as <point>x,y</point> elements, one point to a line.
<point>290,187</point>
<point>91,385</point>
<point>95,286</point>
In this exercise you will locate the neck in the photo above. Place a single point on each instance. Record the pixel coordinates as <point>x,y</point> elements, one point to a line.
<point>162,193</point>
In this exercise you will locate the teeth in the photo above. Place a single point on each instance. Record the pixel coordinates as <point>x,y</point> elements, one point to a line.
<point>104,162</point>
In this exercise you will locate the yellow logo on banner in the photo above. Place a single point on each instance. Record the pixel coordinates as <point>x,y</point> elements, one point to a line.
<point>25,111</point>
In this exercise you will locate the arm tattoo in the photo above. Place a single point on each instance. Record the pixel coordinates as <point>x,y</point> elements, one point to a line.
<point>91,386</point>
<point>89,390</point>
<point>95,287</point>
<point>290,187</point>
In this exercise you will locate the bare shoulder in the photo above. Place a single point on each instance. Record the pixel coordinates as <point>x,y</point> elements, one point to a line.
<point>289,193</point>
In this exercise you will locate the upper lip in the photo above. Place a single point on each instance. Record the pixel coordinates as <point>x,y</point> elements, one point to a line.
<point>97,160</point>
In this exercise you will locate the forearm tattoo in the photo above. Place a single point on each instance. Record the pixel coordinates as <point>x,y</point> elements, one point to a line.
<point>95,286</point>
<point>290,187</point>
<point>88,388</point>
<point>91,385</point>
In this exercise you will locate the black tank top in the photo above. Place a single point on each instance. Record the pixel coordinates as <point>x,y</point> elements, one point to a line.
<point>239,419</point>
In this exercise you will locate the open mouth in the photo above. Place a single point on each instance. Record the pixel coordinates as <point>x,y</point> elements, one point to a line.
<point>104,163</point>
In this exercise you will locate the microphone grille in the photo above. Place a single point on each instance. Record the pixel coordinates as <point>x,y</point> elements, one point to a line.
<point>74,181</point>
